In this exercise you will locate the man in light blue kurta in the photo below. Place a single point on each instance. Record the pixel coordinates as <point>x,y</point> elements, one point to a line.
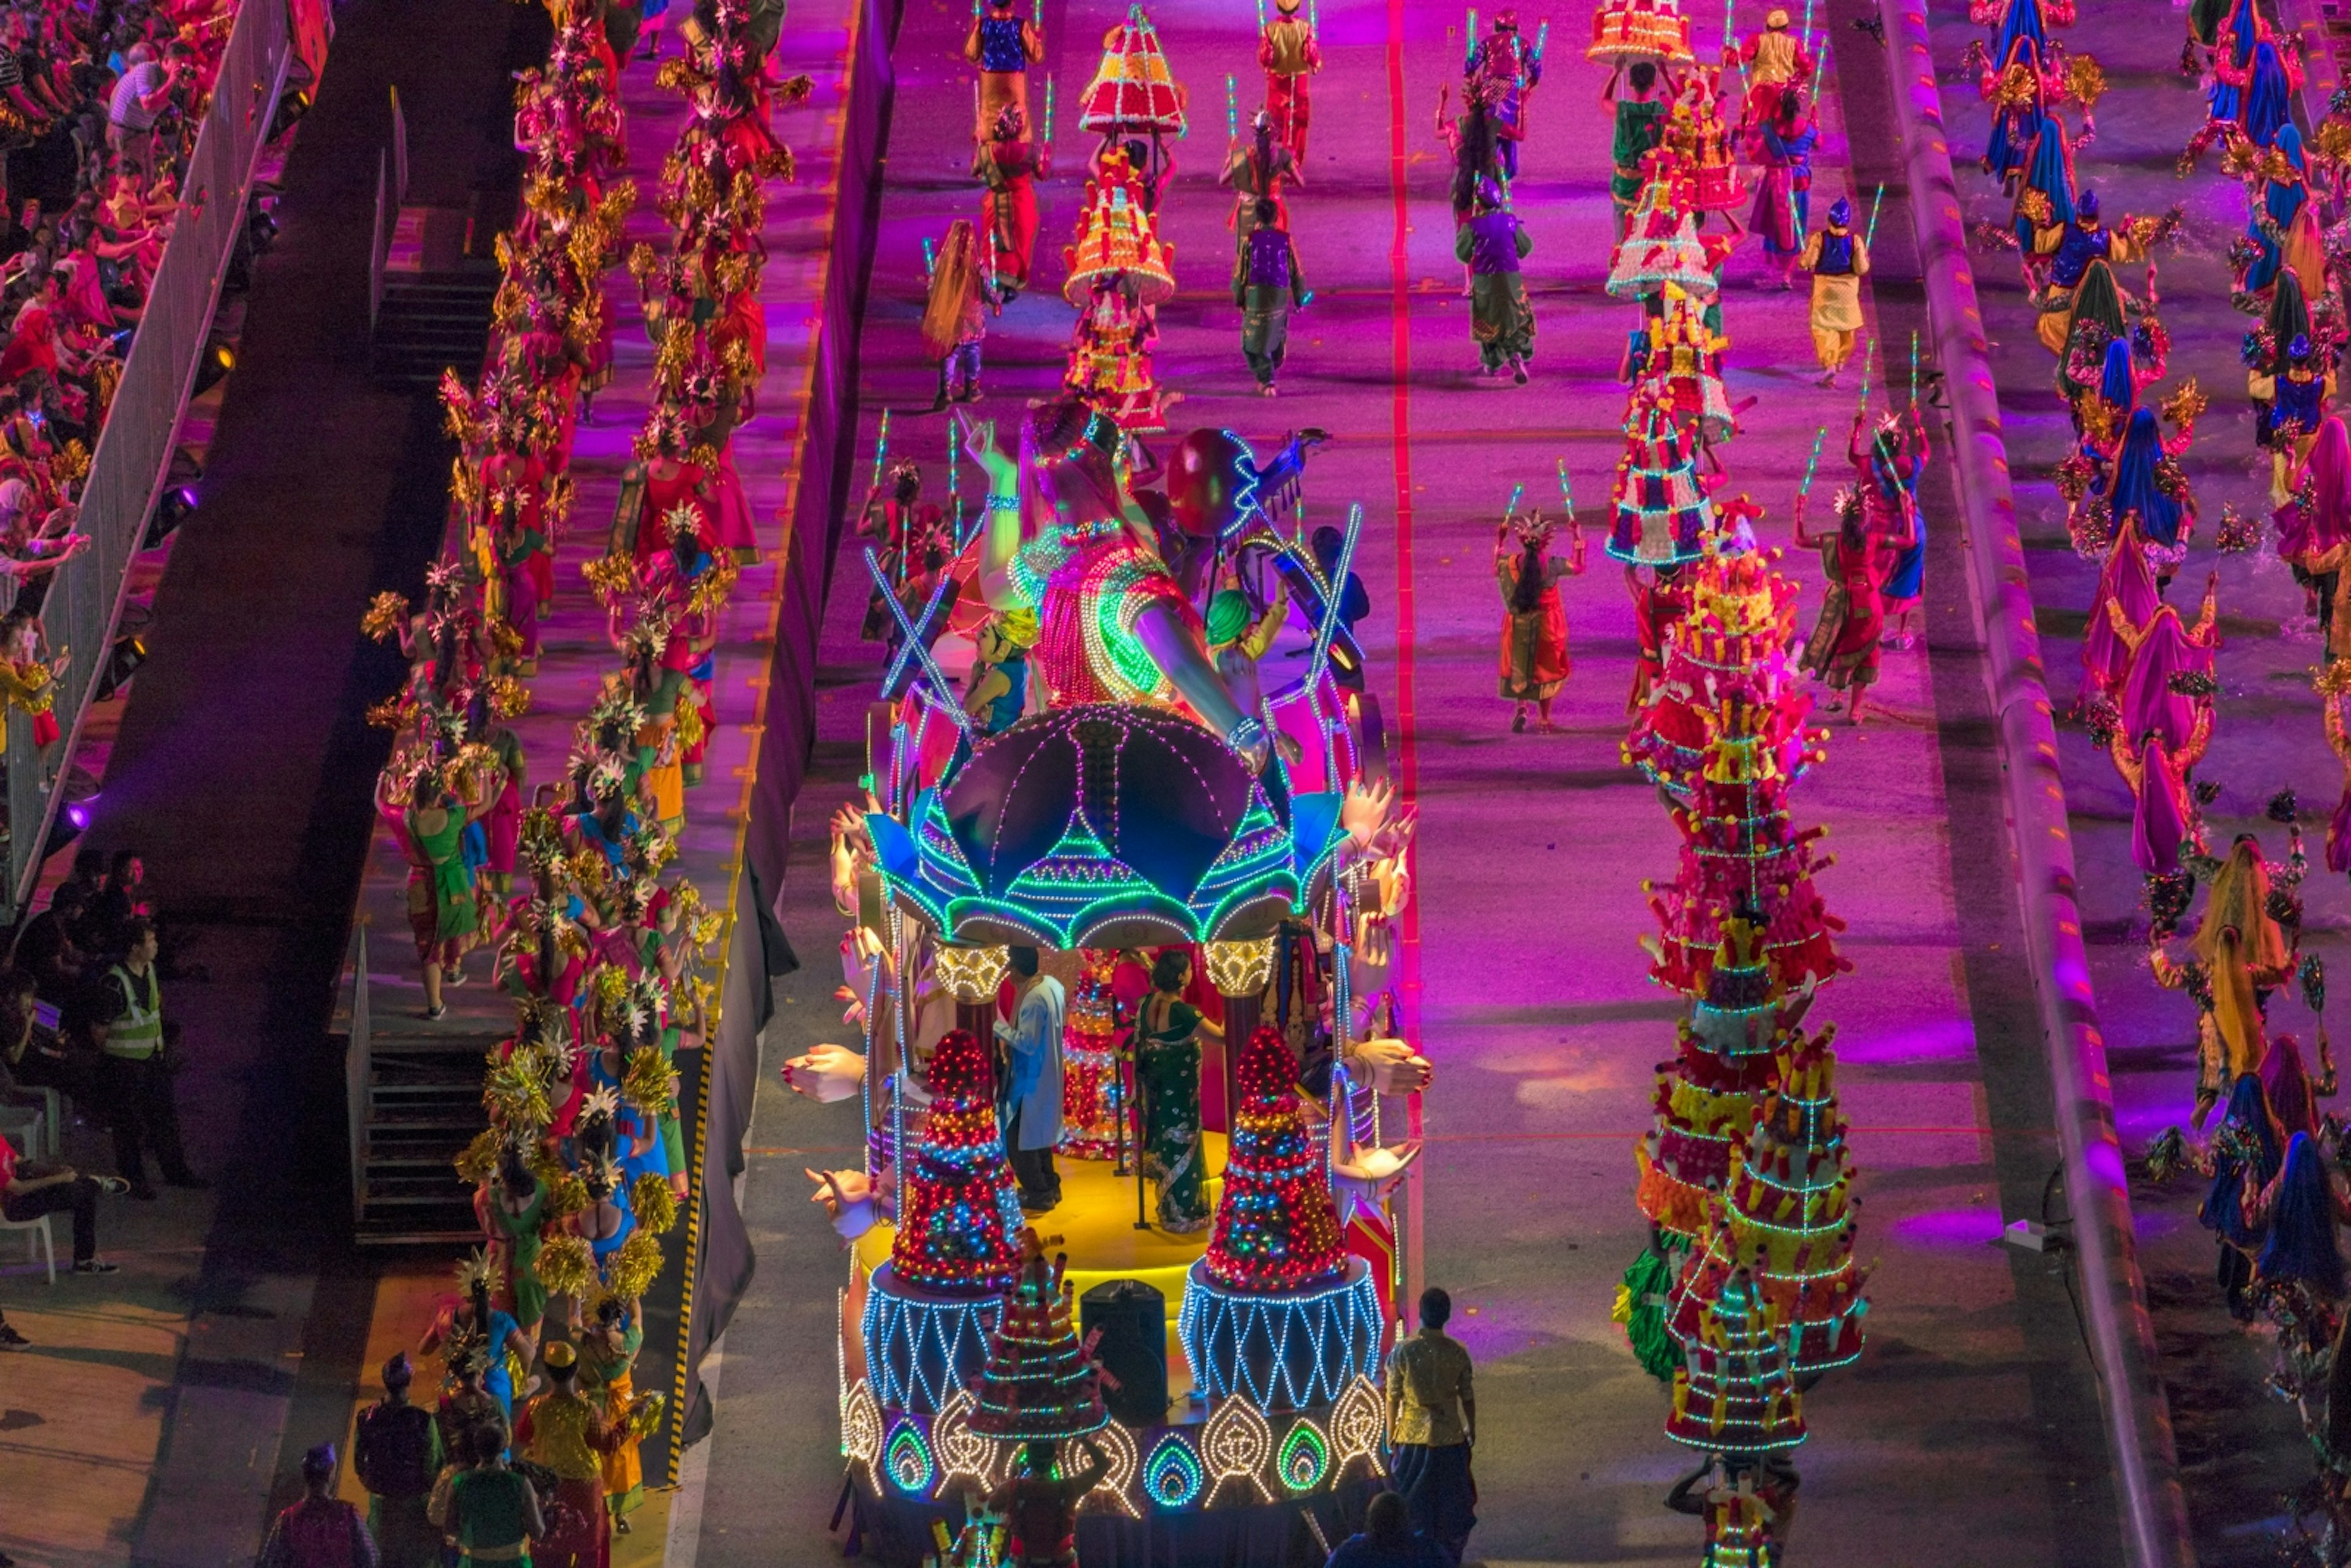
<point>1030,1099</point>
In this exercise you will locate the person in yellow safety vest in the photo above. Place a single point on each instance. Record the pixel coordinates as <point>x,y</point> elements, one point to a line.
<point>134,1077</point>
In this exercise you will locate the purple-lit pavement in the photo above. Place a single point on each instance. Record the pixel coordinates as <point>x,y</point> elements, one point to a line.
<point>1969,1433</point>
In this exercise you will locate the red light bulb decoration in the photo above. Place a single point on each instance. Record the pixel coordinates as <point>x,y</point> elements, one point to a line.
<point>960,1216</point>
<point>1277,1228</point>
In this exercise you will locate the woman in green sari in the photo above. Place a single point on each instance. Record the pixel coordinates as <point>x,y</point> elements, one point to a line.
<point>443,913</point>
<point>1167,1068</point>
<point>516,1202</point>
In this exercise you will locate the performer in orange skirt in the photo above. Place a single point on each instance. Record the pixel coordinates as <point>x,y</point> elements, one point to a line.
<point>1533,661</point>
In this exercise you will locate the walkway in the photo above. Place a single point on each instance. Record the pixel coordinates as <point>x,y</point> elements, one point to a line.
<point>1532,1000</point>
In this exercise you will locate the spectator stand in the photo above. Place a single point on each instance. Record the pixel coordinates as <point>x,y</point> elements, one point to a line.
<point>145,469</point>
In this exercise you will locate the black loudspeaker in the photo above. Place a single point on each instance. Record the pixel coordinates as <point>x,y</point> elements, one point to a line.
<point>1133,1350</point>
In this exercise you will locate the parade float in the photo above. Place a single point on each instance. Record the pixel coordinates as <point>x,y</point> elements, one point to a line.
<point>1174,786</point>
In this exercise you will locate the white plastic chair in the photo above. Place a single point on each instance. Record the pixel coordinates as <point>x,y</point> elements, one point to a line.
<point>25,1126</point>
<point>39,1240</point>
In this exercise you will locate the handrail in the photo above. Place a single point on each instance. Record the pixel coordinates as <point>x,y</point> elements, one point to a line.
<point>359,1068</point>
<point>135,447</point>
<point>2113,1302</point>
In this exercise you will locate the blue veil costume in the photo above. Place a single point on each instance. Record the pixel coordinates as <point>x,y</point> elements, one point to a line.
<point>2301,1245</point>
<point>2226,101</point>
<point>2117,388</point>
<point>2248,1146</point>
<point>2280,205</point>
<point>2135,488</point>
<point>2269,98</point>
<point>2046,172</point>
<point>2023,21</point>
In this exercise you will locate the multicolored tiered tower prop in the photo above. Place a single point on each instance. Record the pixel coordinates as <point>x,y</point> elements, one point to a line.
<point>1277,1226</point>
<point>1134,93</point>
<point>1661,515</point>
<point>1039,1385</point>
<point>1744,1174</point>
<point>961,1213</point>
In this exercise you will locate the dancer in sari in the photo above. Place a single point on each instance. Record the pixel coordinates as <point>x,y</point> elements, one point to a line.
<point>1782,144</point>
<point>2146,482</point>
<point>2239,954</point>
<point>2314,529</point>
<point>2165,656</point>
<point>2125,601</point>
<point>607,1355</point>
<point>430,820</point>
<point>1009,163</point>
<point>1844,649</point>
<point>2283,232</point>
<point>1534,662</point>
<point>2292,1094</point>
<point>2246,1153</point>
<point>1167,1067</point>
<point>2298,1213</point>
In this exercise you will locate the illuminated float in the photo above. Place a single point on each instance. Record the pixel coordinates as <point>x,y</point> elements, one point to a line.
<point>1206,774</point>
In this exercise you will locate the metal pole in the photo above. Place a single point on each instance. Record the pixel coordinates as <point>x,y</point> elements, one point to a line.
<point>2154,1513</point>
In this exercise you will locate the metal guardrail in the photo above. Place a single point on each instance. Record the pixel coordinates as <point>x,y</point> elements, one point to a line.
<point>142,431</point>
<point>2153,1509</point>
<point>359,1068</point>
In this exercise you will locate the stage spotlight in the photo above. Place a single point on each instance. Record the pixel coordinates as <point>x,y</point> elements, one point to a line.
<point>220,358</point>
<point>77,803</point>
<point>174,507</point>
<point>121,663</point>
<point>292,105</point>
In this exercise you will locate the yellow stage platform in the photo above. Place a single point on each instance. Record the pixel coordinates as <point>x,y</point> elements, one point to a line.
<point>1095,1224</point>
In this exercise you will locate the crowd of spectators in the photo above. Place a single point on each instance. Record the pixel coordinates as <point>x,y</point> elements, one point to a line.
<point>99,105</point>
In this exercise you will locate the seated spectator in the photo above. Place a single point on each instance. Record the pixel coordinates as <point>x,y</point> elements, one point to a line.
<point>43,1058</point>
<point>31,1188</point>
<point>1387,1539</point>
<point>48,947</point>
